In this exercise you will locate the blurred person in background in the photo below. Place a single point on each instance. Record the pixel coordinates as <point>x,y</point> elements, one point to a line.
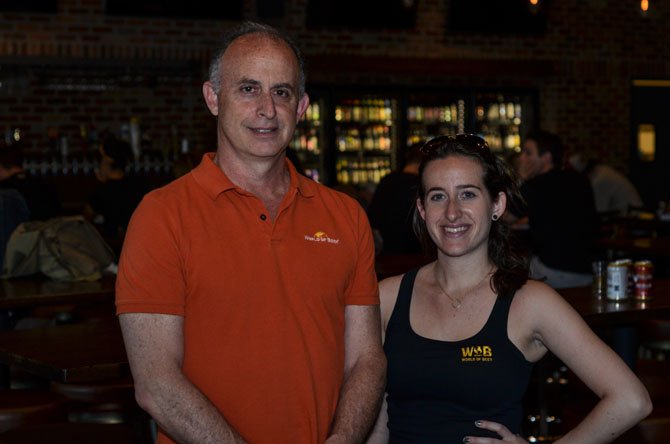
<point>390,209</point>
<point>39,196</point>
<point>13,212</point>
<point>22,198</point>
<point>614,193</point>
<point>114,199</point>
<point>560,212</point>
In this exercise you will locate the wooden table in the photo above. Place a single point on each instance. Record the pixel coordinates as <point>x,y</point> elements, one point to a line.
<point>603,312</point>
<point>621,317</point>
<point>84,352</point>
<point>36,291</point>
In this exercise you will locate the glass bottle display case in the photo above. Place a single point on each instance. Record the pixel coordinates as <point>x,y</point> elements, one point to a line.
<point>354,139</point>
<point>365,131</point>
<point>431,115</point>
<point>501,119</point>
<point>308,141</point>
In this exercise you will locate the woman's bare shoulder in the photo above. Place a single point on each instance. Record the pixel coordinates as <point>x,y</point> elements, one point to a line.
<point>538,312</point>
<point>390,283</point>
<point>540,304</point>
<point>389,287</point>
<point>534,291</point>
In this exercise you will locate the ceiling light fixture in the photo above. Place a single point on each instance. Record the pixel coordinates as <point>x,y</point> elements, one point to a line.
<point>644,7</point>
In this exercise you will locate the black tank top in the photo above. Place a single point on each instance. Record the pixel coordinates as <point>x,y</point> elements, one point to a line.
<point>438,389</point>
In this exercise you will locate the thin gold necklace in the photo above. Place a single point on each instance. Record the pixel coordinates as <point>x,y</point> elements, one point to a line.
<point>456,302</point>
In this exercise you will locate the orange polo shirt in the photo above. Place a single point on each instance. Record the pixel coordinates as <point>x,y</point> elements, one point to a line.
<point>263,301</point>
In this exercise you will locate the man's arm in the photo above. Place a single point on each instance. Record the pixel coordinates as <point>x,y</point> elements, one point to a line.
<point>380,431</point>
<point>154,343</point>
<point>364,375</point>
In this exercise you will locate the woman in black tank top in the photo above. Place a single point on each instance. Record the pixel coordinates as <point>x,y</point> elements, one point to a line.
<point>462,332</point>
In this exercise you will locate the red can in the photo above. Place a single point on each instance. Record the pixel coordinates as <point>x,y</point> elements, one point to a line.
<point>643,272</point>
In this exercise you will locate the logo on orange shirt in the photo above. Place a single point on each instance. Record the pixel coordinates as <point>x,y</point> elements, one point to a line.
<point>320,236</point>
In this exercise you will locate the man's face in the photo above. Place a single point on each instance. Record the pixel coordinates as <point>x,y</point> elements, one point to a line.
<point>258,104</point>
<point>531,164</point>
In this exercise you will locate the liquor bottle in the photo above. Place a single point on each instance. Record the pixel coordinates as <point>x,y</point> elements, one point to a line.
<point>183,162</point>
<point>135,137</point>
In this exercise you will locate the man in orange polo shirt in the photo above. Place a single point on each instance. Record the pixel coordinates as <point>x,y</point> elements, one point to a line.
<point>246,292</point>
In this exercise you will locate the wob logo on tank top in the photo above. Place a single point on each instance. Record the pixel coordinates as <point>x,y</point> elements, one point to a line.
<point>321,237</point>
<point>477,353</point>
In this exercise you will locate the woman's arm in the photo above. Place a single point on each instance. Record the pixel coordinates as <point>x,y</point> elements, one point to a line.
<point>624,401</point>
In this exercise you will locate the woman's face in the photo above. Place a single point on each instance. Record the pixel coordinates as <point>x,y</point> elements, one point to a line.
<point>457,207</point>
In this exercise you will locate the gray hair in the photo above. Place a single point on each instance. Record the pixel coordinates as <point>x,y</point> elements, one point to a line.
<point>250,27</point>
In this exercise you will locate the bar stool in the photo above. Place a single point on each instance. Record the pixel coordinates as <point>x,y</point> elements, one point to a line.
<point>106,402</point>
<point>654,337</point>
<point>30,407</point>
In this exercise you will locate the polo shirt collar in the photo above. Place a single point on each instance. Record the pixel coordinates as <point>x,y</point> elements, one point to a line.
<point>214,181</point>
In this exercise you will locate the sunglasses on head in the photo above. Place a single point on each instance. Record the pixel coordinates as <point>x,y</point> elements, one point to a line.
<point>470,141</point>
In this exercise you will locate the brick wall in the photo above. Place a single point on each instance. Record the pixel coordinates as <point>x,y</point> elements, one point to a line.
<point>81,67</point>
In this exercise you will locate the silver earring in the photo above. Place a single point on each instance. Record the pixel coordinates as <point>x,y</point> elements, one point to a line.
<point>494,217</point>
